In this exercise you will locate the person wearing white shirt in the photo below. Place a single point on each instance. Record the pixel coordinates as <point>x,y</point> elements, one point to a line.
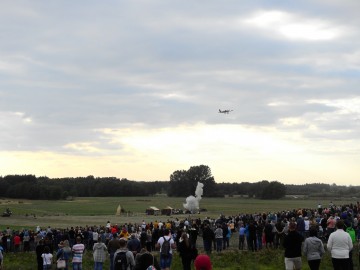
<point>339,245</point>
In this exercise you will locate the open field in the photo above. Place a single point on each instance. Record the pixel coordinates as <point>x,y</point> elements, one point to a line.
<point>97,211</point>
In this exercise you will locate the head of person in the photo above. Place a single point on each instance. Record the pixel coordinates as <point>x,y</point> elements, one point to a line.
<point>312,231</point>
<point>122,243</point>
<point>78,239</point>
<point>166,232</point>
<point>202,262</point>
<point>46,249</point>
<point>340,224</point>
<point>292,226</point>
<point>184,236</point>
<point>66,243</point>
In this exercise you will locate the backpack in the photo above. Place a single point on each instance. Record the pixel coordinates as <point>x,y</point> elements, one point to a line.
<point>120,261</point>
<point>165,248</point>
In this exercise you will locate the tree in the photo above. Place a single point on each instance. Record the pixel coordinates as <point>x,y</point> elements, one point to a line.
<point>273,191</point>
<point>178,184</point>
<point>183,183</point>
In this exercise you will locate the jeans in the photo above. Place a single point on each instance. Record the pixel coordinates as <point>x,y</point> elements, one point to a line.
<point>207,246</point>
<point>77,266</point>
<point>219,243</point>
<point>98,266</point>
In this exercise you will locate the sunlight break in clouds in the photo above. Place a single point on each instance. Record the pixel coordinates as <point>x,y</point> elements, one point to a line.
<point>293,27</point>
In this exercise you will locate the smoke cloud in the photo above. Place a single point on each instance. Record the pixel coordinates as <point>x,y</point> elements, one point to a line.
<point>192,202</point>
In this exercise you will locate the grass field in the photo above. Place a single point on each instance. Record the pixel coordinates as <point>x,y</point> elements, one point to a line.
<point>97,211</point>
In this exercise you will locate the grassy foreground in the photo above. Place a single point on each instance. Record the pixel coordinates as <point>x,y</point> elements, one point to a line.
<point>228,260</point>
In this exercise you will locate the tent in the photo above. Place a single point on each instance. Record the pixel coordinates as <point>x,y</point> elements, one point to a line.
<point>167,211</point>
<point>152,210</point>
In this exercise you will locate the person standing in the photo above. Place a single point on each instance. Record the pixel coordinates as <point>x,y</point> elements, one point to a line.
<point>39,250</point>
<point>100,251</point>
<point>78,251</point>
<point>219,238</point>
<point>241,237</point>
<point>64,252</point>
<point>185,251</point>
<point>208,237</point>
<point>166,256</point>
<point>1,257</point>
<point>47,259</point>
<point>340,245</point>
<point>134,244</point>
<point>292,244</point>
<point>112,247</point>
<point>123,257</point>
<point>313,249</point>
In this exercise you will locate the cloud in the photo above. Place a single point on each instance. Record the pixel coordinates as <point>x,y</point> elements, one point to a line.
<point>294,27</point>
<point>142,84</point>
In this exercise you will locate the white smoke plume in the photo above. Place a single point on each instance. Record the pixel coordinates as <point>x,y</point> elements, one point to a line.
<point>192,203</point>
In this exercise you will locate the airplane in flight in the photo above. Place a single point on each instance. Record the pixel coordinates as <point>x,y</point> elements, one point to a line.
<point>225,111</point>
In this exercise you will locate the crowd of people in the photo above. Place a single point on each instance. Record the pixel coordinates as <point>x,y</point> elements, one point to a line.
<point>307,232</point>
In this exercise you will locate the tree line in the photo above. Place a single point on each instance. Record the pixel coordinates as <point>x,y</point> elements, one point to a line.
<point>182,183</point>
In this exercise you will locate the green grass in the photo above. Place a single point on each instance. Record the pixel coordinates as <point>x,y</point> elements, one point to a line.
<point>82,211</point>
<point>96,211</point>
<point>107,205</point>
<point>227,260</point>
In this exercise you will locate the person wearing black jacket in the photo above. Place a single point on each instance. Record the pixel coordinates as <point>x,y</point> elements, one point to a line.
<point>185,251</point>
<point>208,237</point>
<point>292,245</point>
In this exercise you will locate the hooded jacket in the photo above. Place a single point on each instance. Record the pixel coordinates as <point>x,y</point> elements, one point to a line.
<point>313,248</point>
<point>100,252</point>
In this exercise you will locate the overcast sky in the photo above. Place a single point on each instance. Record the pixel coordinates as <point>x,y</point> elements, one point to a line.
<point>132,89</point>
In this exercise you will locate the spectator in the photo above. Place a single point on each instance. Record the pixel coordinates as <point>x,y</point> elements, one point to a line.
<point>78,251</point>
<point>112,247</point>
<point>313,249</point>
<point>100,251</point>
<point>1,257</point>
<point>47,259</point>
<point>39,251</point>
<point>340,245</point>
<point>185,251</point>
<point>165,260</point>
<point>144,259</point>
<point>134,244</point>
<point>202,262</point>
<point>219,238</point>
<point>208,237</point>
<point>292,244</point>
<point>130,261</point>
<point>64,252</point>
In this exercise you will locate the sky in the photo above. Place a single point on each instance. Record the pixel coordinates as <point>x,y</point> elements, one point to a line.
<point>132,89</point>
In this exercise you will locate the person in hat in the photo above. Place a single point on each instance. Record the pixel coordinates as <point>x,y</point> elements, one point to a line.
<point>202,262</point>
<point>292,244</point>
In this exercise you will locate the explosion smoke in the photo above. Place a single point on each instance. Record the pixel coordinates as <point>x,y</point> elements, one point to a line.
<point>192,203</point>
